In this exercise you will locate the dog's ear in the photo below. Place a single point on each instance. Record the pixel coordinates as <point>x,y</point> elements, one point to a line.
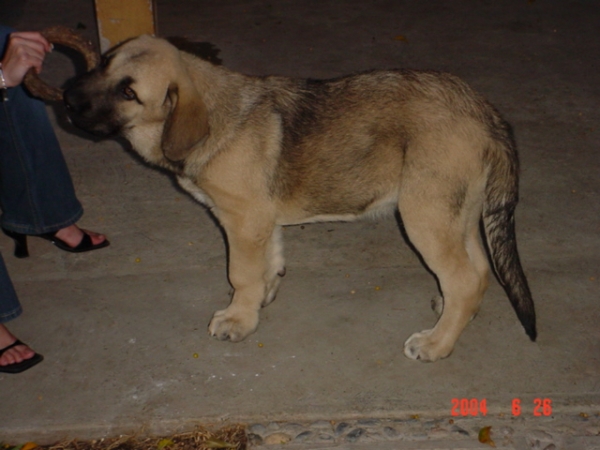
<point>186,124</point>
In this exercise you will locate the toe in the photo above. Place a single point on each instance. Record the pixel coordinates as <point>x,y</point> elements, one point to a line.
<point>97,238</point>
<point>16,355</point>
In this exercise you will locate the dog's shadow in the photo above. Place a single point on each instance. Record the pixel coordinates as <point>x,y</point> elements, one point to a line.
<point>204,50</point>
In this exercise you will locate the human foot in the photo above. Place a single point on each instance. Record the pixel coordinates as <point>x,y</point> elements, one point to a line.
<point>73,236</point>
<point>75,240</point>
<point>70,239</point>
<point>14,355</point>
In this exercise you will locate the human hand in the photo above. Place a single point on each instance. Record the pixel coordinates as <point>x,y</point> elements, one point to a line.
<point>25,50</point>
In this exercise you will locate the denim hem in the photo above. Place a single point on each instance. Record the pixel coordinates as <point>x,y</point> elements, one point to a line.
<point>7,317</point>
<point>33,230</point>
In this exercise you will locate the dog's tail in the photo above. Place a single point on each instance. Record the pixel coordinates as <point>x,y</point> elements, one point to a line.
<point>499,222</point>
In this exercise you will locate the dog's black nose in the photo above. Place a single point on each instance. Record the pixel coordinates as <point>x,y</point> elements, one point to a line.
<point>69,99</point>
<point>77,102</point>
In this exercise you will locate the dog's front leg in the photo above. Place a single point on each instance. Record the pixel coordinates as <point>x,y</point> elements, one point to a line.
<point>254,260</point>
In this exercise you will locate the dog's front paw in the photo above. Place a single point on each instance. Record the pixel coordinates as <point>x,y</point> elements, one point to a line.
<point>233,324</point>
<point>421,346</point>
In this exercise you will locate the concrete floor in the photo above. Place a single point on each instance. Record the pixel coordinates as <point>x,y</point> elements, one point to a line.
<point>123,330</point>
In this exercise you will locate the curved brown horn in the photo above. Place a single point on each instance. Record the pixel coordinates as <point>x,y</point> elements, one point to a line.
<point>69,38</point>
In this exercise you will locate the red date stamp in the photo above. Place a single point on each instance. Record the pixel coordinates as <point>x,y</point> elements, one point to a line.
<point>542,407</point>
<point>468,407</point>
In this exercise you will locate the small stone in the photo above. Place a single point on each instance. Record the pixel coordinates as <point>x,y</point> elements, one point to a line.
<point>390,432</point>
<point>369,422</point>
<point>593,431</point>
<point>254,439</point>
<point>459,430</point>
<point>506,431</point>
<point>325,437</point>
<point>273,426</point>
<point>432,424</point>
<point>539,439</point>
<point>257,428</point>
<point>538,435</point>
<point>437,433</point>
<point>355,434</point>
<point>341,428</point>
<point>291,428</point>
<point>304,436</point>
<point>419,436</point>
<point>277,439</point>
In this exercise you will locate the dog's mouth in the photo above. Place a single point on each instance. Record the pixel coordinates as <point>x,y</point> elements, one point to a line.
<point>97,128</point>
<point>84,115</point>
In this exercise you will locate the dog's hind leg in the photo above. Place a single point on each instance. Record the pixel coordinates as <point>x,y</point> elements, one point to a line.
<point>447,239</point>
<point>479,258</point>
<point>252,241</point>
<point>275,265</point>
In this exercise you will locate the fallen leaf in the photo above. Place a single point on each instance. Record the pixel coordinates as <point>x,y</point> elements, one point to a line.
<point>484,436</point>
<point>277,439</point>
<point>29,446</point>
<point>164,443</point>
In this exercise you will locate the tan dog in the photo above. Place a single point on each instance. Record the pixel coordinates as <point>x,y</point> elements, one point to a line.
<point>264,152</point>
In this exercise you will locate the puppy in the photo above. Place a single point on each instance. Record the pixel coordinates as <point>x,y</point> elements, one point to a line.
<point>265,152</point>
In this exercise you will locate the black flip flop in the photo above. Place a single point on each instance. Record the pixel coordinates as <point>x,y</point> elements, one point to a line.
<point>85,245</point>
<point>20,366</point>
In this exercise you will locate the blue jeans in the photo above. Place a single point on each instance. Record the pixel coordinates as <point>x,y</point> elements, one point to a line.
<point>36,190</point>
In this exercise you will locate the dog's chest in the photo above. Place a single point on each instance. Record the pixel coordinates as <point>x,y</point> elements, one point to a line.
<point>195,191</point>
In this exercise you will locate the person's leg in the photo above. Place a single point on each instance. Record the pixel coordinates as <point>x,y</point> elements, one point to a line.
<point>10,308</point>
<point>36,190</point>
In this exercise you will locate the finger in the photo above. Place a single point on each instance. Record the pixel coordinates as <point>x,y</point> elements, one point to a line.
<point>29,57</point>
<point>20,42</point>
<point>25,52</point>
<point>33,36</point>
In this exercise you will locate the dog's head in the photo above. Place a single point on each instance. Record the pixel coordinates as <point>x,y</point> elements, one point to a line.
<point>143,91</point>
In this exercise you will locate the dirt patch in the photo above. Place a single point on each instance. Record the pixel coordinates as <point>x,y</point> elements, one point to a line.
<point>231,437</point>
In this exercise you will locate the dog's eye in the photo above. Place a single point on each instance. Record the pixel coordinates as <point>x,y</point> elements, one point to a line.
<point>128,93</point>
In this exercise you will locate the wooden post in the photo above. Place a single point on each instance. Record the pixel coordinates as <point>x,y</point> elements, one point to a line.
<point>119,20</point>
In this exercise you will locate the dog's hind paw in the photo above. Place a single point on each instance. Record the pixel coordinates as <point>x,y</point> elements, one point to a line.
<point>233,324</point>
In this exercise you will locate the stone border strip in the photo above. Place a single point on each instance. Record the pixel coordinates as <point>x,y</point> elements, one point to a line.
<point>551,433</point>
